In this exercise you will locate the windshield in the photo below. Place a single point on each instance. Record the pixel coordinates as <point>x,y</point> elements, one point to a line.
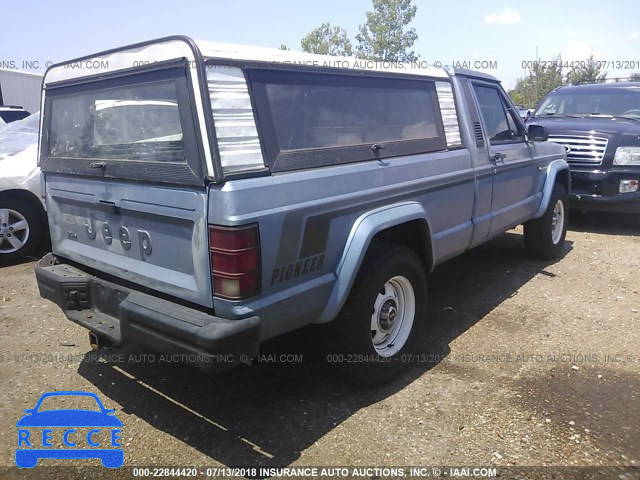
<point>623,102</point>
<point>69,402</point>
<point>17,136</point>
<point>13,115</point>
<point>125,121</point>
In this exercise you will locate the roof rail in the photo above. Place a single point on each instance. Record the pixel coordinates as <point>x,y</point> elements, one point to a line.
<point>632,78</point>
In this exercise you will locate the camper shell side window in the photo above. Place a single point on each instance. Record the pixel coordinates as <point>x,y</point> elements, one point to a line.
<point>311,120</point>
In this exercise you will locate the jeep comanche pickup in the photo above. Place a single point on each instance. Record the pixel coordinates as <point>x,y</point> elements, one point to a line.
<point>204,198</point>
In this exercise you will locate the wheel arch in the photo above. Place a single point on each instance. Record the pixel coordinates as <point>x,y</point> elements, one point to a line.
<point>25,195</point>
<point>556,172</point>
<point>404,224</point>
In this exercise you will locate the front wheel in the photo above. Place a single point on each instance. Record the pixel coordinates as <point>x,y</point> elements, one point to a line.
<point>544,236</point>
<point>382,318</point>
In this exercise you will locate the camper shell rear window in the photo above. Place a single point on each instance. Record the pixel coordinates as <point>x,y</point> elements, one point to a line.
<point>135,122</point>
<point>134,126</point>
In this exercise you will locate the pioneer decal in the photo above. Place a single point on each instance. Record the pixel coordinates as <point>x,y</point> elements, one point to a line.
<point>294,270</point>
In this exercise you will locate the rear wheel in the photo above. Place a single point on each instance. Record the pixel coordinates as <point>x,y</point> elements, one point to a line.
<point>20,229</point>
<point>382,318</point>
<point>544,236</point>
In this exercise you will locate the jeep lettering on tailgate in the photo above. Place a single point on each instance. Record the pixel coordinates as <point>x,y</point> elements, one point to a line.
<point>124,234</point>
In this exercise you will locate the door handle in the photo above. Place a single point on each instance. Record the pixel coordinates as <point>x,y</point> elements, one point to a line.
<point>497,157</point>
<point>107,206</point>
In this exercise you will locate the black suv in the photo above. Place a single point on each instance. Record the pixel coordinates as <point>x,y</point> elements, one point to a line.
<point>599,126</point>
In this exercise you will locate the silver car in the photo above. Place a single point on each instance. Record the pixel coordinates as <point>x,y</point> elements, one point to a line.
<point>22,213</point>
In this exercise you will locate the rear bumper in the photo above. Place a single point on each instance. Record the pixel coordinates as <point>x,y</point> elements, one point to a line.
<point>124,316</point>
<point>598,190</point>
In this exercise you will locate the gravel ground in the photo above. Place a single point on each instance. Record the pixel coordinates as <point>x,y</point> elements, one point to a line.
<point>525,363</point>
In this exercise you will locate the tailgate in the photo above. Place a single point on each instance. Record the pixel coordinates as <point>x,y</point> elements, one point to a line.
<point>124,155</point>
<point>152,236</point>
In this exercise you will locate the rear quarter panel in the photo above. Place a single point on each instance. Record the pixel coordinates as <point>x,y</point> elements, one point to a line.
<point>306,217</point>
<point>20,171</point>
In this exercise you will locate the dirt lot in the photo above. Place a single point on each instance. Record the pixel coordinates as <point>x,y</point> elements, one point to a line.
<point>525,363</point>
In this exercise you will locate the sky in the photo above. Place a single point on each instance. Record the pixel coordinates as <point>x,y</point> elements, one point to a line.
<point>501,35</point>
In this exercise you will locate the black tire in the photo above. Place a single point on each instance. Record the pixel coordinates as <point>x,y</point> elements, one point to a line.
<point>33,215</point>
<point>350,347</point>
<point>539,232</point>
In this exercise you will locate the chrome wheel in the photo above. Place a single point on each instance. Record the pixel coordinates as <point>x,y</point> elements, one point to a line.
<point>557,222</point>
<point>393,314</point>
<point>14,230</point>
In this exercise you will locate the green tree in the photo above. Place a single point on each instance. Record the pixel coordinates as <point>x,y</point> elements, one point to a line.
<point>542,78</point>
<point>385,34</point>
<point>587,72</point>
<point>284,47</point>
<point>327,40</point>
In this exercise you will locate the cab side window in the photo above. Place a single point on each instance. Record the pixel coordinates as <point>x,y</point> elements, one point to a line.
<point>499,121</point>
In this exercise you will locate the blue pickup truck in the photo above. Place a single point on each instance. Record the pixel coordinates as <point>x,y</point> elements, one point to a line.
<point>203,198</point>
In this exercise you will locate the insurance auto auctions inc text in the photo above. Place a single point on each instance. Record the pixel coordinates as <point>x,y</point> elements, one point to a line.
<point>372,472</point>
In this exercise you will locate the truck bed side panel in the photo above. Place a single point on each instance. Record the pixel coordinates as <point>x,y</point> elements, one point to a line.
<point>305,218</point>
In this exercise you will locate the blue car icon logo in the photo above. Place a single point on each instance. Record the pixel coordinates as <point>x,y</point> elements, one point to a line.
<point>36,431</point>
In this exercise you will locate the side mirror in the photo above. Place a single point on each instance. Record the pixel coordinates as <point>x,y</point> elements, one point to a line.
<point>537,133</point>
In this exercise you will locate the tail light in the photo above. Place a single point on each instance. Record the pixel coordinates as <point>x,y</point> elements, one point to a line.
<point>235,261</point>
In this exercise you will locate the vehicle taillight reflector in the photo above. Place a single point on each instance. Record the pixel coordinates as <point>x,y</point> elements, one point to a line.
<point>235,261</point>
